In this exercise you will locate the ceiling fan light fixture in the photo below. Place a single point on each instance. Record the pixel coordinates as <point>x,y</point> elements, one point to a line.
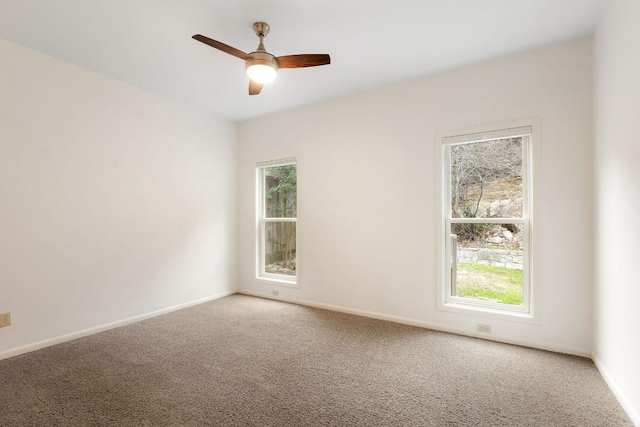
<point>261,67</point>
<point>261,73</point>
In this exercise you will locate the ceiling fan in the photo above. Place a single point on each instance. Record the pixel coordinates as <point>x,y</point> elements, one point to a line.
<point>262,67</point>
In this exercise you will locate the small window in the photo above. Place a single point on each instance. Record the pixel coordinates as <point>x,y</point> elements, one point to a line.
<point>486,220</point>
<point>277,219</point>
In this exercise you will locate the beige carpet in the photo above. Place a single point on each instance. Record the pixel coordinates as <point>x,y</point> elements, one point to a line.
<point>244,361</point>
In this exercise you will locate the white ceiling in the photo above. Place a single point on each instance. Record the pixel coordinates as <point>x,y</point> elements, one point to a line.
<point>372,43</point>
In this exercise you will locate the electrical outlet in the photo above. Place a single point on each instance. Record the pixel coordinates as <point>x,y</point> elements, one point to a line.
<point>484,328</point>
<point>275,293</point>
<point>5,320</point>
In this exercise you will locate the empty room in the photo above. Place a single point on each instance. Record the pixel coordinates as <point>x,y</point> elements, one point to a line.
<point>308,213</point>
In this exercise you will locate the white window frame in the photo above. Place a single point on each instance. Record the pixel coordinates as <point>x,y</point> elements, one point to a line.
<point>261,220</point>
<point>529,129</point>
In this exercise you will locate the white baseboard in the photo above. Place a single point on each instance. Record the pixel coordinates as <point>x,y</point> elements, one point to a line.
<point>624,402</point>
<point>541,345</point>
<point>75,335</point>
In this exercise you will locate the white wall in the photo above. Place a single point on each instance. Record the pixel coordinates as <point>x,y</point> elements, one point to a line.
<point>367,191</point>
<point>617,184</point>
<point>114,202</point>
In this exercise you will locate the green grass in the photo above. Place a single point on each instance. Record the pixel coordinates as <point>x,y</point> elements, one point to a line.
<point>490,283</point>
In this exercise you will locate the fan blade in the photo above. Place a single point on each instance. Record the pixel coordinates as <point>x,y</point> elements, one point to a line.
<point>221,46</point>
<point>299,61</point>
<point>254,88</point>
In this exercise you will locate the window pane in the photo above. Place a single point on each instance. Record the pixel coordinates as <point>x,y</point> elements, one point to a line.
<point>280,191</point>
<point>488,262</point>
<point>486,179</point>
<point>280,248</point>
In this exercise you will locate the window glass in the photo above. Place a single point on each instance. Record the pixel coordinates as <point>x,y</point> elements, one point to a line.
<point>280,248</point>
<point>486,179</point>
<point>489,262</point>
<point>280,198</point>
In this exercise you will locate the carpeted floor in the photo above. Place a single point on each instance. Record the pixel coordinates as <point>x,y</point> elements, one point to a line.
<point>244,361</point>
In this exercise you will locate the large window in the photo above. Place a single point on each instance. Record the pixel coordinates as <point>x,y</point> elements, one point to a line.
<point>486,221</point>
<point>277,218</point>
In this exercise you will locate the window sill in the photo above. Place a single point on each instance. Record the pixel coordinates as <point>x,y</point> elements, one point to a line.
<point>278,282</point>
<point>494,313</point>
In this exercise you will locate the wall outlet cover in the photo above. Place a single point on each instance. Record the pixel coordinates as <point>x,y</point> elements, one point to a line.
<point>484,328</point>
